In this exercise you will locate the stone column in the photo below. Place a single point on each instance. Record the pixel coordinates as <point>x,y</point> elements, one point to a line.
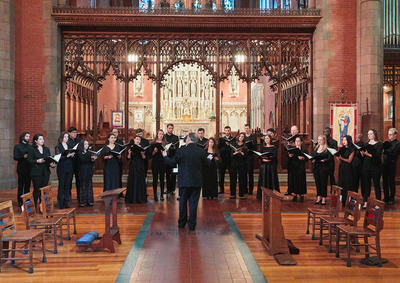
<point>370,64</point>
<point>7,175</point>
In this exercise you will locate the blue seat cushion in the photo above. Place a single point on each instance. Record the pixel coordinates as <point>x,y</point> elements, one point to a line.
<point>88,238</point>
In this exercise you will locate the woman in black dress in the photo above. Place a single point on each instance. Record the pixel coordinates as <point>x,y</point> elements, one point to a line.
<point>40,172</point>
<point>210,180</point>
<point>346,170</point>
<point>86,161</point>
<point>65,170</point>
<point>297,183</point>
<point>111,173</point>
<point>136,188</point>
<point>268,177</point>
<point>157,164</point>
<point>357,162</point>
<point>321,169</point>
<point>371,167</point>
<point>239,166</point>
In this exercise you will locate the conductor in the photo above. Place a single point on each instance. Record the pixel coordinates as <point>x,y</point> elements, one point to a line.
<point>190,159</point>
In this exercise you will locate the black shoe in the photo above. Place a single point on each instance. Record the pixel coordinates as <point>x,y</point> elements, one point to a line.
<point>232,197</point>
<point>250,193</point>
<point>221,192</point>
<point>192,228</point>
<point>318,201</point>
<point>181,226</point>
<point>301,198</point>
<point>294,198</point>
<point>155,198</point>
<point>287,193</point>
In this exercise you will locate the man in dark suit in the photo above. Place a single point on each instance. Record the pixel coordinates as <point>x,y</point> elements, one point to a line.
<point>332,143</point>
<point>169,175</point>
<point>73,140</point>
<point>390,153</point>
<point>190,160</point>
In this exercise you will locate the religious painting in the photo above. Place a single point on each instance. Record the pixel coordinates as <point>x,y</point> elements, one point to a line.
<point>343,121</point>
<point>117,119</point>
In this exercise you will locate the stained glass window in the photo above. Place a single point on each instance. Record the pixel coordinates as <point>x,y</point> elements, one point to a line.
<point>274,4</point>
<point>146,4</point>
<point>228,4</point>
<point>196,4</point>
<point>179,4</point>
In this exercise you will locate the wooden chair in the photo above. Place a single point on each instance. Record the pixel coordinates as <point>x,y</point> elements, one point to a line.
<point>8,233</point>
<point>50,225</point>
<point>332,210</point>
<point>373,225</point>
<point>350,217</point>
<point>48,210</point>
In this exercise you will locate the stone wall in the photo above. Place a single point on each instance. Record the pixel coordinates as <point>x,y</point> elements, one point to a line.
<point>7,177</point>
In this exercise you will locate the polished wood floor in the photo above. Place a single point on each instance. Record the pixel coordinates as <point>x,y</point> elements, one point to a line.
<point>210,254</point>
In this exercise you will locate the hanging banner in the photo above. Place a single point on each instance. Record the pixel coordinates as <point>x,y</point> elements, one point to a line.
<point>343,121</point>
<point>117,119</point>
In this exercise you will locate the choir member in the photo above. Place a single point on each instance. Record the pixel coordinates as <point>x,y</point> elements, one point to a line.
<point>143,143</point>
<point>331,143</point>
<point>294,131</point>
<point>65,170</point>
<point>202,141</point>
<point>120,143</point>
<point>321,168</point>
<point>158,166</point>
<point>40,171</point>
<point>72,142</point>
<point>210,179</point>
<point>272,133</point>
<point>357,162</point>
<point>239,155</point>
<point>226,158</point>
<point>251,144</point>
<point>21,151</point>
<point>86,162</point>
<point>346,169</point>
<point>111,171</point>
<point>268,177</point>
<point>390,154</point>
<point>136,187</point>
<point>297,183</point>
<point>170,176</point>
<point>371,166</point>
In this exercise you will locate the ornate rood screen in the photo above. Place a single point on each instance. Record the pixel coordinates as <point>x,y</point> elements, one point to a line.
<point>127,57</point>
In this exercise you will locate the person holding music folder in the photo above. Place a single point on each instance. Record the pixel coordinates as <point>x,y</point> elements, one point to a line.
<point>65,170</point>
<point>290,142</point>
<point>251,143</point>
<point>86,161</point>
<point>158,165</point>
<point>268,176</point>
<point>111,153</point>
<point>226,158</point>
<point>332,143</point>
<point>136,187</point>
<point>21,151</point>
<point>39,158</point>
<point>144,143</point>
<point>390,153</point>
<point>321,168</point>
<point>297,183</point>
<point>272,133</point>
<point>73,140</point>
<point>191,160</point>
<point>371,166</point>
<point>210,178</point>
<point>174,140</point>
<point>202,141</point>
<point>120,143</point>
<point>357,161</point>
<point>239,155</point>
<point>346,170</point>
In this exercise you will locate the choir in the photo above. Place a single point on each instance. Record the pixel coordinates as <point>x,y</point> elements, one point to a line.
<point>359,163</point>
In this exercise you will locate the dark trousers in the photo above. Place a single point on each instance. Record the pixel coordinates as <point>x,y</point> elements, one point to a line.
<point>24,184</point>
<point>221,170</point>
<point>389,185</point>
<point>158,172</point>
<point>39,182</point>
<point>64,187</point>
<point>171,180</point>
<point>239,169</point>
<point>191,194</point>
<point>332,174</point>
<point>250,175</point>
<point>86,192</point>
<point>357,177</point>
<point>321,175</point>
<point>375,175</point>
<point>77,184</point>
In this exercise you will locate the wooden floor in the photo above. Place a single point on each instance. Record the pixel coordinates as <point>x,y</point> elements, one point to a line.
<point>314,263</point>
<point>211,254</point>
<point>70,266</point>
